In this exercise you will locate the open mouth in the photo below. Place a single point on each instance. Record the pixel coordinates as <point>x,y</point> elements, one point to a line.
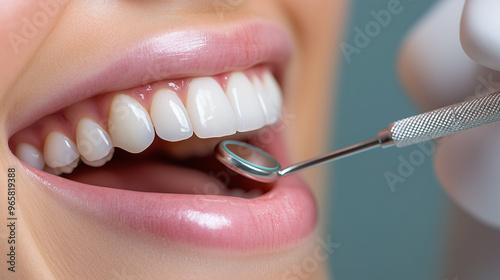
<point>141,154</point>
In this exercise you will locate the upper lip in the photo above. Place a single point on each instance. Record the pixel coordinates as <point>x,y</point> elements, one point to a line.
<point>178,54</point>
<point>283,216</point>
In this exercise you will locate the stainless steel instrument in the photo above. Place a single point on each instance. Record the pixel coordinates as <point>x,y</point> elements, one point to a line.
<point>255,163</point>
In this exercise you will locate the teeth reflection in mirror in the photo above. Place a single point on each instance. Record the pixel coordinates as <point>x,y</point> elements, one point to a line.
<point>210,112</point>
<point>170,117</point>
<point>30,155</point>
<point>60,152</point>
<point>245,103</point>
<point>271,104</point>
<point>93,142</point>
<point>130,125</point>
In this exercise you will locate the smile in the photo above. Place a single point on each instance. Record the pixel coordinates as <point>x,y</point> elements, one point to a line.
<point>132,141</point>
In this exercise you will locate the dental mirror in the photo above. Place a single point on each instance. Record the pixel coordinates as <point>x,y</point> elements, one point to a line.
<point>258,165</point>
<point>248,160</point>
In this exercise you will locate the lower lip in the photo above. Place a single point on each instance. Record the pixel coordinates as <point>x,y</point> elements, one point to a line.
<point>282,217</point>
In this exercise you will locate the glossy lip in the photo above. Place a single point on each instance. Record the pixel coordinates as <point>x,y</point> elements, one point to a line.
<point>282,217</point>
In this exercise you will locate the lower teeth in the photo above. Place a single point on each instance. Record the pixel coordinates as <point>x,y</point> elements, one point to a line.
<point>237,192</point>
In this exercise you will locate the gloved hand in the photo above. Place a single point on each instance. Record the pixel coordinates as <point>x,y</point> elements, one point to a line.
<point>453,54</point>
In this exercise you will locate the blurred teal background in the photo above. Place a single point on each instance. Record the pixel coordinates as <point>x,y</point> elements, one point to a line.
<point>384,233</point>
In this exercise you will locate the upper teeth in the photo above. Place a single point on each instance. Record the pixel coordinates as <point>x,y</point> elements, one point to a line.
<point>209,109</point>
<point>247,103</point>
<point>130,125</point>
<point>60,152</point>
<point>170,117</point>
<point>93,142</point>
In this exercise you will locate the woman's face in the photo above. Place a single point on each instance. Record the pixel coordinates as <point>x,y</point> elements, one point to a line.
<point>137,93</point>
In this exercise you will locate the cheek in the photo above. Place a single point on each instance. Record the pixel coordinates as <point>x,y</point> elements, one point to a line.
<point>24,25</point>
<point>318,27</point>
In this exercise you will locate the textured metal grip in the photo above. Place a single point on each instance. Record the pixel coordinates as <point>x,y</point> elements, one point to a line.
<point>447,120</point>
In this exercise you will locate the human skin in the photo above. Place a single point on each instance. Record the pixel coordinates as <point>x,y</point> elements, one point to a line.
<point>55,241</point>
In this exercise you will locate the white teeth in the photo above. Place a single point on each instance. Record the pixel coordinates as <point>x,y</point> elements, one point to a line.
<point>245,103</point>
<point>170,117</point>
<point>69,167</point>
<point>100,162</point>
<point>30,155</point>
<point>209,109</point>
<point>274,90</point>
<point>60,152</point>
<point>269,94</point>
<point>130,125</point>
<point>93,142</point>
<point>248,104</point>
<point>60,170</point>
<point>53,171</point>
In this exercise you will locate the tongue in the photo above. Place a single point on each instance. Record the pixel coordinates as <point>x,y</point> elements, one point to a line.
<point>149,176</point>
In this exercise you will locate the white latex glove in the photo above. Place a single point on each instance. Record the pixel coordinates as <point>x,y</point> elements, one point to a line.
<point>447,58</point>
